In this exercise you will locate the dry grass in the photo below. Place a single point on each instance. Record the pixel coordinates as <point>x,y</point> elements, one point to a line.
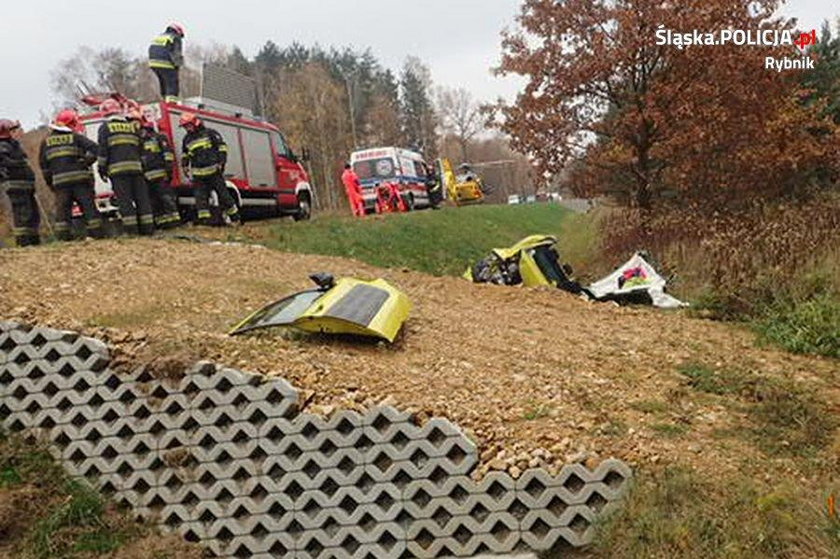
<point>742,261</point>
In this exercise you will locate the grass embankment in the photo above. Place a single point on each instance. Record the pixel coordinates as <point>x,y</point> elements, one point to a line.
<point>44,514</point>
<point>777,507</point>
<point>440,242</point>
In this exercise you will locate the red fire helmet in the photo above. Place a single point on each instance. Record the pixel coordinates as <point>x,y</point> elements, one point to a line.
<point>6,127</point>
<point>177,28</point>
<point>68,118</point>
<point>189,119</point>
<point>110,107</point>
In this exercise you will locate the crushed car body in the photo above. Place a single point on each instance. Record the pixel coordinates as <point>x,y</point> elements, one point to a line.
<point>532,262</point>
<point>350,306</point>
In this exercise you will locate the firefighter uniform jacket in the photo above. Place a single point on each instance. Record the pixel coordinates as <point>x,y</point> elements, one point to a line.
<point>165,51</point>
<point>119,148</point>
<point>66,158</point>
<point>157,156</point>
<point>204,151</point>
<point>14,167</point>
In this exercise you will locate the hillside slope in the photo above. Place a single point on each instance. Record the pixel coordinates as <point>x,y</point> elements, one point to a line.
<point>535,375</point>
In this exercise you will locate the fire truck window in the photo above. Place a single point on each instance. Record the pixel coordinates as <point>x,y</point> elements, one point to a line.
<point>231,137</point>
<point>282,148</point>
<point>259,157</point>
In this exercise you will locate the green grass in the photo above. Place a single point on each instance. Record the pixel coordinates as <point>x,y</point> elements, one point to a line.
<point>62,517</point>
<point>80,517</point>
<point>440,242</point>
<point>650,406</point>
<point>811,326</point>
<point>785,417</point>
<point>536,411</point>
<point>669,430</point>
<point>677,513</point>
<point>705,379</point>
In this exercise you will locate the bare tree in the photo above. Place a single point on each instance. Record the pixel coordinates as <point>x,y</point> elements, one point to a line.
<point>461,116</point>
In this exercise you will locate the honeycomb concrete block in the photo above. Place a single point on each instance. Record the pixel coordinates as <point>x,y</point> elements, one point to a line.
<point>224,458</point>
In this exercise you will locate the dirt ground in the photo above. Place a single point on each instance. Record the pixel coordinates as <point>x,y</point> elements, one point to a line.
<point>536,377</point>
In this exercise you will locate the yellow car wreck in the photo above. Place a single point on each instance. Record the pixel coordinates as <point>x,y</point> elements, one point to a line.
<point>345,306</point>
<point>531,262</point>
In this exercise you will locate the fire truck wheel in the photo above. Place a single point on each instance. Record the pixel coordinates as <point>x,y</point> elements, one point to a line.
<point>304,208</point>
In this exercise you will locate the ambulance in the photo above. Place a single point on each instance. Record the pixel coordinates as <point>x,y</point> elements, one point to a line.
<point>403,167</point>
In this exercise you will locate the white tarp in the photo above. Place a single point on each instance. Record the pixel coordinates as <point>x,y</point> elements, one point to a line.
<point>634,276</point>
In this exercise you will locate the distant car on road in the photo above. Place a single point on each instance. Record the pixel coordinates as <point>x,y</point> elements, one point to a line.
<point>514,199</point>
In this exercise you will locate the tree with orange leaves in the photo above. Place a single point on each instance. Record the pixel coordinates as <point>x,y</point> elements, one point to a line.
<point>645,120</point>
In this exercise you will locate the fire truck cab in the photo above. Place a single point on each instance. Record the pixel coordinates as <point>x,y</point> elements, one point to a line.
<point>265,177</point>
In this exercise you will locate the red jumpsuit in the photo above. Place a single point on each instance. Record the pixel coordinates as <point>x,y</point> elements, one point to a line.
<point>354,192</point>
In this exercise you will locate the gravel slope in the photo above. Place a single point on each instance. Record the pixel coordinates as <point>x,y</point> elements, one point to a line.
<point>537,377</point>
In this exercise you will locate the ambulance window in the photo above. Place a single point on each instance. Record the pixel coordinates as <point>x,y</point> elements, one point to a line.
<point>375,168</point>
<point>421,168</point>
<point>259,157</point>
<point>231,137</point>
<point>282,148</point>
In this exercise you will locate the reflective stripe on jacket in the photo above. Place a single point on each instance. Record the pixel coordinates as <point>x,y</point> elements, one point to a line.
<point>204,151</point>
<point>66,157</point>
<point>120,147</point>
<point>165,51</point>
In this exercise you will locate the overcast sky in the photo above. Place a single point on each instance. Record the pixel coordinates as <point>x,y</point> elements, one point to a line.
<point>458,39</point>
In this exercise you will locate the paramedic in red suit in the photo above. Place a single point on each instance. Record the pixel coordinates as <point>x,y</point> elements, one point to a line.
<point>354,190</point>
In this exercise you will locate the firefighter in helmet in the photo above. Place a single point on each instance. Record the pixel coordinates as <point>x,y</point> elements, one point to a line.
<point>204,159</point>
<point>120,161</point>
<point>165,59</point>
<point>18,182</point>
<point>66,157</point>
<point>158,162</point>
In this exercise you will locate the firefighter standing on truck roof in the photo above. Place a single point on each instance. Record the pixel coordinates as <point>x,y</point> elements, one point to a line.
<point>158,160</point>
<point>165,60</point>
<point>204,158</point>
<point>120,162</point>
<point>66,157</point>
<point>18,181</point>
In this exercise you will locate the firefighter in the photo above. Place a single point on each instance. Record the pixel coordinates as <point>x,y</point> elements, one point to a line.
<point>120,161</point>
<point>165,59</point>
<point>434,187</point>
<point>204,159</point>
<point>158,162</point>
<point>66,157</point>
<point>354,190</point>
<point>18,181</point>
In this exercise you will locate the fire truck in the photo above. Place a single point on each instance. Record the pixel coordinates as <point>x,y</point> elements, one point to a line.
<point>264,176</point>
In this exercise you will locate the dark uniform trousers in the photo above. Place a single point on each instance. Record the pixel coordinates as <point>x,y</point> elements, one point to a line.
<point>25,217</point>
<point>83,194</point>
<point>134,203</point>
<point>203,185</point>
<point>164,206</point>
<point>170,88</point>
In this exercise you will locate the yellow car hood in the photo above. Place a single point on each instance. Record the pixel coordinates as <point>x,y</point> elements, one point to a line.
<point>347,306</point>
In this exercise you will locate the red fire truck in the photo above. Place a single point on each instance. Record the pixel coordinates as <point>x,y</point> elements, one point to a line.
<point>265,177</point>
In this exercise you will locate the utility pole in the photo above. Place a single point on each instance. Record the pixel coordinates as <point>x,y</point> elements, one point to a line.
<point>352,109</point>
